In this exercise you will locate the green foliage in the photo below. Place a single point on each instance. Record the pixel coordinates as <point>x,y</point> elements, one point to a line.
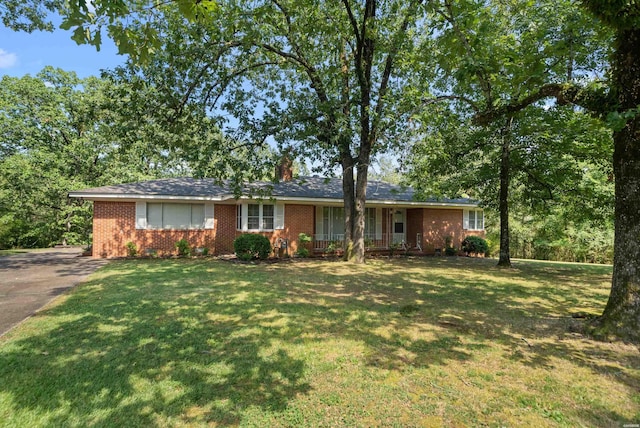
<point>184,249</point>
<point>60,133</point>
<point>304,240</point>
<point>333,247</point>
<point>28,15</point>
<point>393,248</point>
<point>132,250</point>
<point>303,252</point>
<point>474,245</point>
<point>557,237</point>
<point>451,251</point>
<point>249,246</point>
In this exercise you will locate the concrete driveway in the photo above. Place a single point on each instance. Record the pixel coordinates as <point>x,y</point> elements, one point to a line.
<point>30,280</point>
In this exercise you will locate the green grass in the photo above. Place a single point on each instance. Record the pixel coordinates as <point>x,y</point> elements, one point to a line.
<point>422,342</point>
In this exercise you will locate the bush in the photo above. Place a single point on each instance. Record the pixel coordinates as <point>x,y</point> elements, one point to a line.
<point>249,246</point>
<point>393,247</point>
<point>304,240</point>
<point>183,248</point>
<point>132,250</point>
<point>333,247</point>
<point>474,245</point>
<point>451,251</point>
<point>303,252</point>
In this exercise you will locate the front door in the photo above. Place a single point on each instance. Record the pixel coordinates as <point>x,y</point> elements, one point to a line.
<point>398,225</point>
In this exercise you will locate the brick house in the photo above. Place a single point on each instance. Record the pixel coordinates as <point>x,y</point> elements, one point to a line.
<point>155,214</point>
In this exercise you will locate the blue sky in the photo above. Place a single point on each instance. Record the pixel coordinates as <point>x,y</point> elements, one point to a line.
<point>23,53</point>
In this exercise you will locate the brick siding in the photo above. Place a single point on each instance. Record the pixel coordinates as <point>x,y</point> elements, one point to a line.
<point>437,224</point>
<point>114,226</point>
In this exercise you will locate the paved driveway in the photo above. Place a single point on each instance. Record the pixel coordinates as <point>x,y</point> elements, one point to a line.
<point>30,280</point>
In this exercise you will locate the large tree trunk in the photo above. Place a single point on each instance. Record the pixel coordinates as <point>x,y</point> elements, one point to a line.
<point>621,316</point>
<point>505,161</point>
<point>349,194</point>
<point>358,229</point>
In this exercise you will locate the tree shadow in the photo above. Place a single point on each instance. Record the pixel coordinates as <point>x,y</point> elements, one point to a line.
<point>133,359</point>
<point>155,341</point>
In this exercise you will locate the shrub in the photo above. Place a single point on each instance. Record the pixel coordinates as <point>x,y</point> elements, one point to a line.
<point>304,240</point>
<point>450,251</point>
<point>183,248</point>
<point>249,246</point>
<point>333,247</point>
<point>474,245</point>
<point>132,250</point>
<point>393,247</point>
<point>303,252</point>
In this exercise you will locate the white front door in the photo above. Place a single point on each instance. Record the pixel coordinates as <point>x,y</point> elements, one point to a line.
<point>398,226</point>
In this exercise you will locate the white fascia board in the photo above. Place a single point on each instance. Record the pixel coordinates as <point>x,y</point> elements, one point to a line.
<point>314,201</point>
<point>419,204</point>
<point>370,203</point>
<point>134,197</point>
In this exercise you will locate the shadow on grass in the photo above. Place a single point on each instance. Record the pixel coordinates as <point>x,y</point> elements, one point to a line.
<point>142,355</point>
<point>156,343</point>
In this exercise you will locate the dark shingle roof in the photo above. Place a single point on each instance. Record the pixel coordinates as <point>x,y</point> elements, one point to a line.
<point>302,187</point>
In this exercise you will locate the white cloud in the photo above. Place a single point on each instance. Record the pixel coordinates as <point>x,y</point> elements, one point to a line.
<point>7,59</point>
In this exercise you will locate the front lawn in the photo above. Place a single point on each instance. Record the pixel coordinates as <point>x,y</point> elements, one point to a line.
<point>408,342</point>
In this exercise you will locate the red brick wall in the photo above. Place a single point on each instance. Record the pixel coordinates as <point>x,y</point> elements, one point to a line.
<point>114,226</point>
<point>225,227</point>
<point>440,223</point>
<point>414,225</point>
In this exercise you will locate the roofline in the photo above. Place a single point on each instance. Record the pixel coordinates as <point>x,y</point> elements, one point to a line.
<point>393,202</point>
<point>130,196</point>
<point>227,197</point>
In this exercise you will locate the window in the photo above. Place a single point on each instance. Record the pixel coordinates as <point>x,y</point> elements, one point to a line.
<point>370,222</point>
<point>175,216</point>
<point>330,223</point>
<point>474,219</point>
<point>253,217</point>
<point>259,217</point>
<point>267,217</point>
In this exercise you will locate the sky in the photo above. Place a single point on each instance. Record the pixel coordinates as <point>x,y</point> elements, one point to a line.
<point>23,53</point>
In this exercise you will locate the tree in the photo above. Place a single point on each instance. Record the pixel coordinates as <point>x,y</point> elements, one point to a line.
<point>59,132</point>
<point>49,145</point>
<point>622,313</point>
<point>491,52</point>
<point>560,176</point>
<point>616,100</point>
<point>321,73</point>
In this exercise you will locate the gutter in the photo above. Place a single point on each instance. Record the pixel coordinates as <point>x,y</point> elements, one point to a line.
<point>228,197</point>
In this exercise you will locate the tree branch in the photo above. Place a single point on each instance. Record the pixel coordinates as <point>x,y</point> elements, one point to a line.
<point>353,22</point>
<point>596,101</point>
<point>388,67</point>
<point>484,81</point>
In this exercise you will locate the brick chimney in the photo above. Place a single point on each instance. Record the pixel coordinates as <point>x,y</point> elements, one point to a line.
<point>284,170</point>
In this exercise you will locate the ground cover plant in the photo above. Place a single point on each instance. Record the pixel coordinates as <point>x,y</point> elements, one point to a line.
<point>403,342</point>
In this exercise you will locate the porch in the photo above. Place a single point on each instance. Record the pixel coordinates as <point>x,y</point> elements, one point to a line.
<point>385,228</point>
<point>372,242</point>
